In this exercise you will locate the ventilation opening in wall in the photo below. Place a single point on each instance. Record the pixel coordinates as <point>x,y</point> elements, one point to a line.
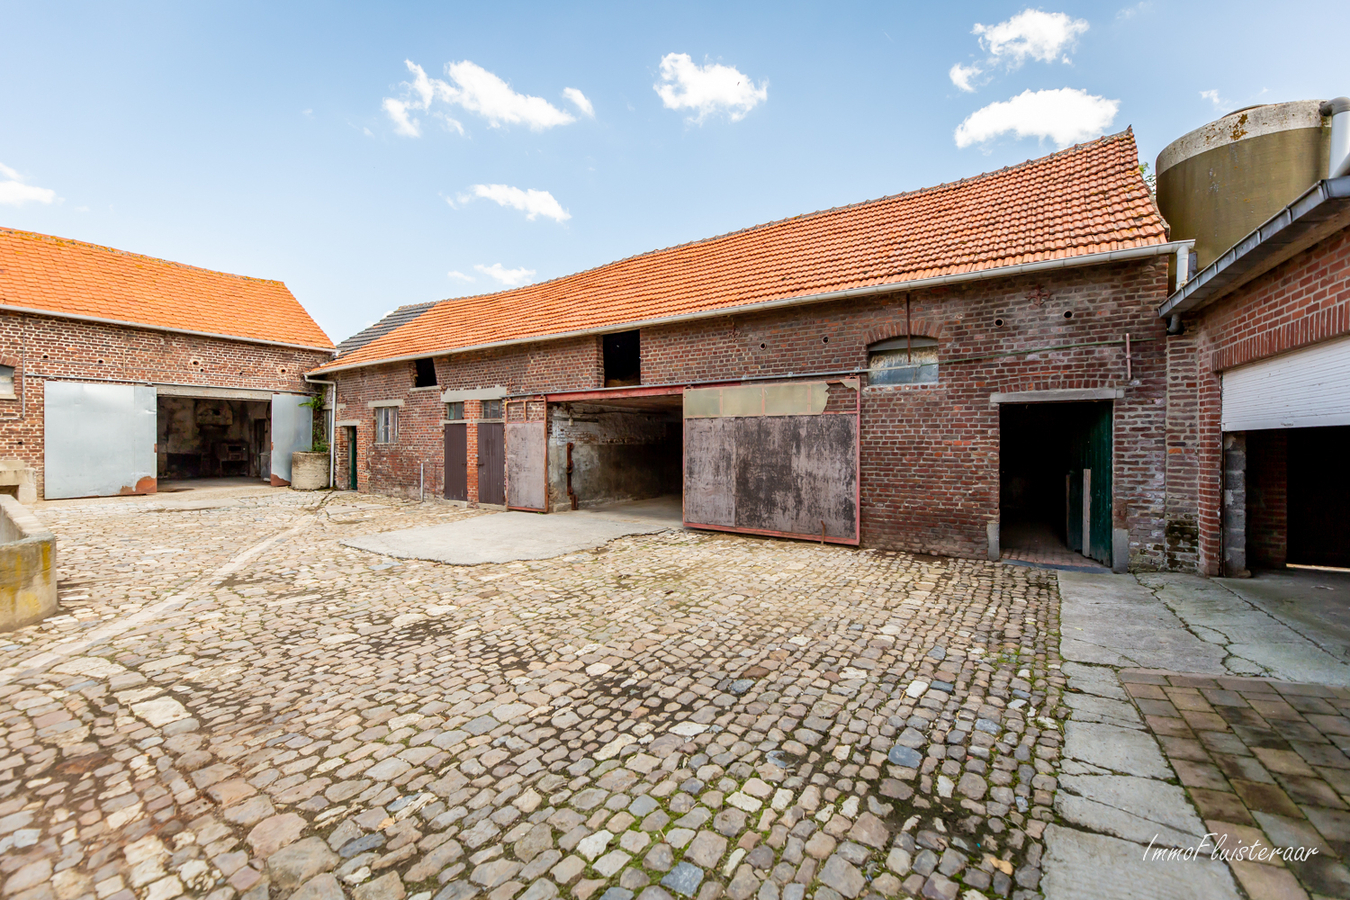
<point>623,359</point>
<point>424,373</point>
<point>903,360</point>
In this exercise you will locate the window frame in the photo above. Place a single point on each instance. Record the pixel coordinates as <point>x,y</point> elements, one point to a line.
<point>7,386</point>
<point>388,428</point>
<point>500,410</point>
<point>908,373</point>
<point>454,411</point>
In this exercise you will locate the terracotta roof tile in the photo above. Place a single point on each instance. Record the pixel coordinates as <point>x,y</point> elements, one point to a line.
<point>61,276</point>
<point>1086,199</point>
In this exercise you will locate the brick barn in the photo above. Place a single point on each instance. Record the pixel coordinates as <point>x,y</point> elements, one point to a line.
<point>965,370</point>
<point>1265,358</point>
<point>119,370</point>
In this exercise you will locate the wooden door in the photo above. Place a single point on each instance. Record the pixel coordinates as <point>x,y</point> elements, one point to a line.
<point>457,461</point>
<point>492,463</point>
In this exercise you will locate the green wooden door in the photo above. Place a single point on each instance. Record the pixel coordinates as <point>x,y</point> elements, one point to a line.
<point>1090,463</point>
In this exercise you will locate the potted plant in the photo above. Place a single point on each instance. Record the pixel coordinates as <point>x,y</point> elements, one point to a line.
<point>309,468</point>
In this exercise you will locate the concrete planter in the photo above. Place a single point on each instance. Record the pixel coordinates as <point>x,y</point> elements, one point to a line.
<point>309,471</point>
<point>27,567</point>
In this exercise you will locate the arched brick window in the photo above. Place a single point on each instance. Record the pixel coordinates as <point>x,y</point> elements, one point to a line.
<point>903,360</point>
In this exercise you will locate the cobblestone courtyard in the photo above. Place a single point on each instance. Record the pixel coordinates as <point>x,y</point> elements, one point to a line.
<point>234,704</point>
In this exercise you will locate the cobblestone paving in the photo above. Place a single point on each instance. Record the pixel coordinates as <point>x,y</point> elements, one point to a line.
<point>232,704</point>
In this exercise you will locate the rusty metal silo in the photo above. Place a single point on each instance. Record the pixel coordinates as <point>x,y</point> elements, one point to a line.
<point>1219,182</point>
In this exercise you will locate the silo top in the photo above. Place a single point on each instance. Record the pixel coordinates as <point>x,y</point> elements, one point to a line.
<point>1244,123</point>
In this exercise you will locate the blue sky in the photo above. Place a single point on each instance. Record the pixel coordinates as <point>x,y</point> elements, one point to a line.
<point>257,138</point>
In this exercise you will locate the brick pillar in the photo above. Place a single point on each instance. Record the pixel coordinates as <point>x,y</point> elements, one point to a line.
<point>1235,505</point>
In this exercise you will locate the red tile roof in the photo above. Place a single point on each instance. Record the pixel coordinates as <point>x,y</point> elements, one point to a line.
<point>1086,199</point>
<point>65,277</point>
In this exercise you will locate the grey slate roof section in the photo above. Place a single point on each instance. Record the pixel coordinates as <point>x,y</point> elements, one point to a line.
<point>401,316</point>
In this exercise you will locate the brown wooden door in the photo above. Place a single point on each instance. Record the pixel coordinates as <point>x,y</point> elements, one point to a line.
<point>491,463</point>
<point>457,462</point>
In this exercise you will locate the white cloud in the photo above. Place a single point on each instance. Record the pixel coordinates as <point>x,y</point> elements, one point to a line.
<point>1031,33</point>
<point>508,277</point>
<point>578,99</point>
<point>961,75</point>
<point>477,90</point>
<point>1065,116</point>
<point>707,89</point>
<point>1130,12</point>
<point>1213,97</point>
<point>460,276</point>
<point>531,202</point>
<point>13,191</point>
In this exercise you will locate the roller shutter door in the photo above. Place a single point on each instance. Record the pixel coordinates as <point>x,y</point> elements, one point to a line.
<point>1306,388</point>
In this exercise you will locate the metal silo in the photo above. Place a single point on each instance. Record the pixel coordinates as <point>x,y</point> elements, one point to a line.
<point>1219,182</point>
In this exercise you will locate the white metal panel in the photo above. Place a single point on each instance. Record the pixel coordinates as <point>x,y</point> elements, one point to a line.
<point>1306,388</point>
<point>99,439</point>
<point>292,430</point>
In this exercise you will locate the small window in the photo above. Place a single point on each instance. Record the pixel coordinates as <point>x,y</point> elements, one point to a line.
<point>386,424</point>
<point>623,359</point>
<point>424,374</point>
<point>454,411</point>
<point>903,360</point>
<point>7,382</point>
<point>491,409</point>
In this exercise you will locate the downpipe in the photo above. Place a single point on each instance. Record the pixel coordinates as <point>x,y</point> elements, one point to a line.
<point>1338,160</point>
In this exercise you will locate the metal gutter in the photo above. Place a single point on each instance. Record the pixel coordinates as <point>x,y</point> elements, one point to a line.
<point>1320,211</point>
<point>4,307</point>
<point>1047,265</point>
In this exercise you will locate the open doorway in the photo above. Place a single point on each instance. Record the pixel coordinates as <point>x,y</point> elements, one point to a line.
<point>1055,483</point>
<point>613,451</point>
<point>1298,494</point>
<point>201,438</point>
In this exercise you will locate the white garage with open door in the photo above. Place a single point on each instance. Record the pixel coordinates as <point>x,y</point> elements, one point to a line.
<point>1293,412</point>
<point>108,439</point>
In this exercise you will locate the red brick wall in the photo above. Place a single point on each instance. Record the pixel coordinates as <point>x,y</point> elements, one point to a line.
<point>394,468</point>
<point>930,454</point>
<point>1300,302</point>
<point>46,347</point>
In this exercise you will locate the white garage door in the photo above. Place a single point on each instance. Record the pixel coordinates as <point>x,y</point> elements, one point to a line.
<point>1307,388</point>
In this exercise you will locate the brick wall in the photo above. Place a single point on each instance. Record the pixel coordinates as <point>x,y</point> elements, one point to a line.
<point>930,478</point>
<point>45,347</point>
<point>1267,499</point>
<point>1302,301</point>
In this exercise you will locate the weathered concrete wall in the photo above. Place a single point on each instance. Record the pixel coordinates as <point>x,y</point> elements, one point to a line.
<point>27,566</point>
<point>19,480</point>
<point>616,456</point>
<point>309,471</point>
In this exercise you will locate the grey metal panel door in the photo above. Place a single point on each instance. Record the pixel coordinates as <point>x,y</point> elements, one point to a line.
<point>100,439</point>
<point>491,463</point>
<point>526,466</point>
<point>779,459</point>
<point>292,430</point>
<point>457,462</point>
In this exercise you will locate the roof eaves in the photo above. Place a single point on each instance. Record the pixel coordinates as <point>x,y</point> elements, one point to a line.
<point>1138,252</point>
<point>143,325</point>
<point>1318,212</point>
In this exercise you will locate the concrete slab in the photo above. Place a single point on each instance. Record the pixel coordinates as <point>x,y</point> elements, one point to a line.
<point>1084,866</point>
<point>1112,620</point>
<point>1136,809</point>
<point>1116,749</point>
<point>1287,636</point>
<point>510,536</point>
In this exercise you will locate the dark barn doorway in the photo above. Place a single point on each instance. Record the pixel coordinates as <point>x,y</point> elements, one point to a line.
<point>1055,482</point>
<point>608,451</point>
<point>1298,497</point>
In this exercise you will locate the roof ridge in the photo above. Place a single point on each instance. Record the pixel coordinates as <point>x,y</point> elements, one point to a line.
<point>128,253</point>
<point>946,185</point>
